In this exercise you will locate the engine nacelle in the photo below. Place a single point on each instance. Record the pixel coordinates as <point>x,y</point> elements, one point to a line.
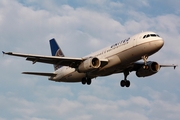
<point>89,65</point>
<point>150,69</point>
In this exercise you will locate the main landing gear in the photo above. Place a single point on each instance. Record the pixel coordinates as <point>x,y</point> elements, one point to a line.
<point>125,82</point>
<point>86,80</point>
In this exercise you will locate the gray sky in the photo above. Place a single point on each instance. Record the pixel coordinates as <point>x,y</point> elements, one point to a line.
<point>82,27</point>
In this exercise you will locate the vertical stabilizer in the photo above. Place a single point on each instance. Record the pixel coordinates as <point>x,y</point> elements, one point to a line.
<point>55,51</point>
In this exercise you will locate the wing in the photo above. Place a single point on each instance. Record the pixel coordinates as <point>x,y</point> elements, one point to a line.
<point>63,61</point>
<point>169,66</point>
<point>137,65</point>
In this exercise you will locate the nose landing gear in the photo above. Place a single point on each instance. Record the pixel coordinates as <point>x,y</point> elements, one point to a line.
<point>145,57</point>
<point>126,82</point>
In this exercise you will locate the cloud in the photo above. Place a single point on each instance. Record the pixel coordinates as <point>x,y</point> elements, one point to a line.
<point>81,28</point>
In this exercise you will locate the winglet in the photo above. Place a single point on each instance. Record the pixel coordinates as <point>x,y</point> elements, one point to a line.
<point>175,66</point>
<point>3,52</point>
<point>7,53</point>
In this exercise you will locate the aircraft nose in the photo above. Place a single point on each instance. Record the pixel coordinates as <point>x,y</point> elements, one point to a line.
<point>160,43</point>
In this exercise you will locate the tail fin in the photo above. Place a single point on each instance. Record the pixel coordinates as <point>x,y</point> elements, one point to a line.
<point>55,51</point>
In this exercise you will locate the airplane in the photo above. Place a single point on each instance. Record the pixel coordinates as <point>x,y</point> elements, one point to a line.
<point>121,57</point>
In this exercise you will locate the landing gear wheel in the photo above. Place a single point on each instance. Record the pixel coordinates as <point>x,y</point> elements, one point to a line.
<point>145,67</point>
<point>127,83</point>
<point>84,81</point>
<point>123,83</point>
<point>88,81</point>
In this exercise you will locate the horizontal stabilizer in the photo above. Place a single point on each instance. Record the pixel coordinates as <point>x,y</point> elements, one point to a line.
<point>40,74</point>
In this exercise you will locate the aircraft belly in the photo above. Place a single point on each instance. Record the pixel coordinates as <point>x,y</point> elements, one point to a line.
<point>73,77</point>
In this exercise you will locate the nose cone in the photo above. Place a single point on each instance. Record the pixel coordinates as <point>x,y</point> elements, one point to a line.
<point>159,43</point>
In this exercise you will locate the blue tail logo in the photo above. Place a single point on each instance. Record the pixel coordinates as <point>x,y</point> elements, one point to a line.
<point>55,51</point>
<point>59,53</point>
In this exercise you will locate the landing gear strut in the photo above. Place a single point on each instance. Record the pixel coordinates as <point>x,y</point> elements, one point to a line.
<point>145,57</point>
<point>86,80</point>
<point>125,82</point>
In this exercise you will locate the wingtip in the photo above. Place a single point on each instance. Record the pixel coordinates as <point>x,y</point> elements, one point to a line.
<point>3,52</point>
<point>7,53</point>
<point>175,66</point>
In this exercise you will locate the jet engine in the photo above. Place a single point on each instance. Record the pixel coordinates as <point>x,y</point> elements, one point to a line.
<point>149,69</point>
<point>89,64</point>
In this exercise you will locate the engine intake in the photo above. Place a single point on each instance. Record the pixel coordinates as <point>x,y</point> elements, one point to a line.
<point>89,64</point>
<point>150,69</point>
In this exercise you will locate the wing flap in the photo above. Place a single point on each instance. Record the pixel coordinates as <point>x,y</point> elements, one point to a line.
<point>64,61</point>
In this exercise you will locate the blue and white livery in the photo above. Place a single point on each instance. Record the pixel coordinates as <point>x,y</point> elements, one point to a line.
<point>120,57</point>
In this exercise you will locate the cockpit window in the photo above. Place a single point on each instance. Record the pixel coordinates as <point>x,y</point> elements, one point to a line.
<point>147,36</point>
<point>153,35</point>
<point>144,37</point>
<point>150,35</point>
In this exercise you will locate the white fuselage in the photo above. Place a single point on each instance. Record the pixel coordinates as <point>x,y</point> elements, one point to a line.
<point>120,55</point>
